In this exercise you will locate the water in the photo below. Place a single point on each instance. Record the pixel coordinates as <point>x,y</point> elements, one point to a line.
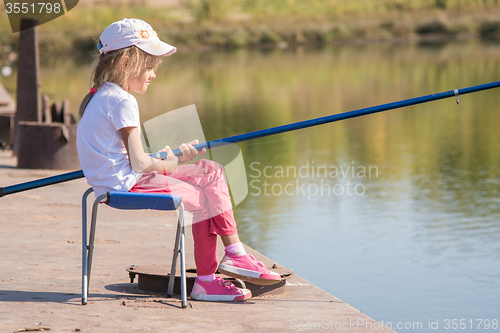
<point>412,235</point>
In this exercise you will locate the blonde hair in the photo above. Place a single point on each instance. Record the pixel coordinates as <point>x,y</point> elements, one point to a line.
<point>117,67</point>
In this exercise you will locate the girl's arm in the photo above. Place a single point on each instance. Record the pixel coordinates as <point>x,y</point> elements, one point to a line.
<point>139,160</point>
<point>142,162</point>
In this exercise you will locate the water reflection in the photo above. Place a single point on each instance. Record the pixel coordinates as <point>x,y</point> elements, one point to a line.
<point>422,242</point>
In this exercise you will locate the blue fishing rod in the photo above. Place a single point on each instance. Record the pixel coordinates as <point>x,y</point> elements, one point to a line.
<point>266,132</point>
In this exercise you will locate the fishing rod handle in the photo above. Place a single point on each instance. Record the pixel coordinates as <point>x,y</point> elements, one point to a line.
<point>177,152</point>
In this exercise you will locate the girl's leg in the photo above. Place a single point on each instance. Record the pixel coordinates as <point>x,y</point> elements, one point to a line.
<point>236,262</point>
<point>204,191</point>
<point>205,239</point>
<point>230,239</point>
<point>208,176</point>
<point>194,201</point>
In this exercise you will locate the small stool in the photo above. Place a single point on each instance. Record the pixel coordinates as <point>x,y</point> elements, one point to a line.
<point>130,200</point>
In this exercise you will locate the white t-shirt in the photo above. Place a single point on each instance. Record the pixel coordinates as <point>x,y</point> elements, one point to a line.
<point>101,151</point>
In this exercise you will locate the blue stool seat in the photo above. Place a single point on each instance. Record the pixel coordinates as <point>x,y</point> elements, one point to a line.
<point>130,200</point>
<point>136,201</point>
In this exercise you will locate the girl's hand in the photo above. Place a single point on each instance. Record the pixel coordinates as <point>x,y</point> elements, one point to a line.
<point>189,152</point>
<point>170,155</point>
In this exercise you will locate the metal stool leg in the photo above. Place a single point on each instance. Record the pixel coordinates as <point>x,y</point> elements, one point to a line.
<point>84,246</point>
<point>179,249</point>
<point>183,260</point>
<point>88,254</point>
<point>171,279</point>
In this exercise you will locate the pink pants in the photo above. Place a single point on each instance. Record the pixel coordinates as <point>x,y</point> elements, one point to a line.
<point>204,192</point>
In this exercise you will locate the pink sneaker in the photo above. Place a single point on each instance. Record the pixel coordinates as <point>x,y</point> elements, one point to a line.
<point>247,268</point>
<point>219,290</point>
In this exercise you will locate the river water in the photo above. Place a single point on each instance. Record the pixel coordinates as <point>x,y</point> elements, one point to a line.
<point>396,213</point>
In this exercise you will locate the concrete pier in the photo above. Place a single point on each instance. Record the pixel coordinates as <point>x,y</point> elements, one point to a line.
<point>40,274</point>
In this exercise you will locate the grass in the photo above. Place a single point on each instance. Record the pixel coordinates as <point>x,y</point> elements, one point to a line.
<point>238,23</point>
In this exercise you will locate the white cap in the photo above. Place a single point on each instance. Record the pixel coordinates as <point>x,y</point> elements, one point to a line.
<point>128,32</point>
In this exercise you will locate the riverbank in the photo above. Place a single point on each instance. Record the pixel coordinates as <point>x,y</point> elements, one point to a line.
<point>40,287</point>
<point>233,23</point>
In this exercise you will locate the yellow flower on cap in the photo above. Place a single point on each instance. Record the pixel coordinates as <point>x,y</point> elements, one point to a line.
<point>144,34</point>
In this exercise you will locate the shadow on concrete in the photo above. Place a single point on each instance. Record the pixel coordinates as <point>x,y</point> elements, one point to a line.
<point>50,297</point>
<point>131,289</point>
<point>38,296</point>
<point>139,298</point>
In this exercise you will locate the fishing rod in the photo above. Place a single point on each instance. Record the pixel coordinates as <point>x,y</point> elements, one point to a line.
<point>267,132</point>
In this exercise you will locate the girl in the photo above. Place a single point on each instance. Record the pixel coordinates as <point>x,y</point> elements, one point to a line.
<point>112,158</point>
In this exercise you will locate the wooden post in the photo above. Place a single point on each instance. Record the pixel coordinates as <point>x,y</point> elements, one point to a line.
<point>45,142</point>
<point>28,84</point>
